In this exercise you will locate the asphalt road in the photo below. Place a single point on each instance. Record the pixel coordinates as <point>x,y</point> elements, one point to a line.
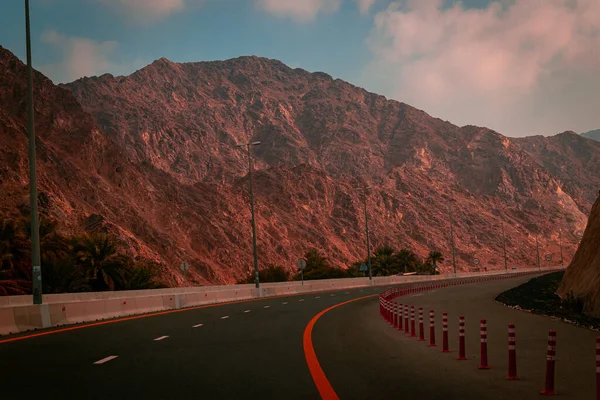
<point>365,358</point>
<point>253,350</point>
<point>241,351</point>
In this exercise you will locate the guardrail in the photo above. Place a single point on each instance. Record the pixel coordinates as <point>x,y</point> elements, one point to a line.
<point>18,314</point>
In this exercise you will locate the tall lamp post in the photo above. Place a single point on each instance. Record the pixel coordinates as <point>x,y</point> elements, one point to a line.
<point>35,231</point>
<point>364,190</point>
<point>250,168</point>
<point>452,237</point>
<point>537,248</point>
<point>504,246</point>
<point>562,260</point>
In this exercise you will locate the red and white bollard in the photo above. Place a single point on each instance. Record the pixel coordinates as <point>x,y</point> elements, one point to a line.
<point>550,361</point>
<point>406,327</point>
<point>445,348</point>
<point>484,356</point>
<point>421,329</point>
<point>400,312</point>
<point>431,328</point>
<point>512,353</point>
<point>598,368</point>
<point>395,324</point>
<point>461,338</point>
<point>412,322</point>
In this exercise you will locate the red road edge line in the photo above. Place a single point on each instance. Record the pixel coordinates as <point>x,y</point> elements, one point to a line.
<point>321,382</point>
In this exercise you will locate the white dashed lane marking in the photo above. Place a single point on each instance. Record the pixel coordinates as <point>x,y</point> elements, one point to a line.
<point>160,338</point>
<point>105,360</point>
<point>301,300</point>
<point>197,326</point>
<point>332,294</point>
<point>267,306</point>
<point>285,302</point>
<point>318,297</point>
<point>225,317</point>
<point>247,311</point>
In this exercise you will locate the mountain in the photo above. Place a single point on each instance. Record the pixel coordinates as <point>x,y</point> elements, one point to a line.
<point>572,159</point>
<point>152,157</point>
<point>595,134</point>
<point>583,274</point>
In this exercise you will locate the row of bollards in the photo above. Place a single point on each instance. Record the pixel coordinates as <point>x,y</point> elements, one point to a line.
<point>394,313</point>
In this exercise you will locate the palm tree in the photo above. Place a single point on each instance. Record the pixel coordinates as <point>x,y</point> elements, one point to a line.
<point>435,256</point>
<point>407,260</point>
<point>315,260</point>
<point>97,255</point>
<point>384,261</point>
<point>13,248</point>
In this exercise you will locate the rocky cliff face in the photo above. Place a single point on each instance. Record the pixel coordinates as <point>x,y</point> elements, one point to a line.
<point>572,159</point>
<point>156,163</point>
<point>582,278</point>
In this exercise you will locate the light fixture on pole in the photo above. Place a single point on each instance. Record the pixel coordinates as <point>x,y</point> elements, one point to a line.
<point>452,237</point>
<point>504,246</point>
<point>36,276</point>
<point>562,260</point>
<point>537,248</point>
<point>364,190</point>
<point>250,168</point>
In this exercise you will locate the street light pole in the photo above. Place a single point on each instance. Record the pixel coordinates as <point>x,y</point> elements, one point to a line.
<point>537,247</point>
<point>452,237</point>
<point>562,260</point>
<point>250,168</point>
<point>504,246</point>
<point>36,276</point>
<point>364,190</point>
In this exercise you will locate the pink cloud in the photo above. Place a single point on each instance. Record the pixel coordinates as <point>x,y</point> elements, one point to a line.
<point>300,11</point>
<point>82,57</point>
<point>147,10</point>
<point>486,66</point>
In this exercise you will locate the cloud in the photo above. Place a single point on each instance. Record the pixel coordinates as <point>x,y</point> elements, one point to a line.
<point>307,10</point>
<point>299,10</point>
<point>365,5</point>
<point>82,57</point>
<point>143,11</point>
<point>518,66</point>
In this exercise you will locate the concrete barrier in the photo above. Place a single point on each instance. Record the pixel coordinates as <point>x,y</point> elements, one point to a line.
<point>18,314</point>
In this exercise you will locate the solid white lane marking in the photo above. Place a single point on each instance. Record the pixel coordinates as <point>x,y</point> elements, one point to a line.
<point>161,338</point>
<point>267,306</point>
<point>247,311</point>
<point>225,317</point>
<point>285,302</point>
<point>301,300</point>
<point>104,360</point>
<point>197,326</point>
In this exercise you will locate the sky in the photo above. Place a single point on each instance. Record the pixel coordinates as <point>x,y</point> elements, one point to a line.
<point>520,67</point>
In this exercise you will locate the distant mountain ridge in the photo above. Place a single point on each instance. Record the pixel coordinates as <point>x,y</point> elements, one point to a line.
<point>165,175</point>
<point>595,134</point>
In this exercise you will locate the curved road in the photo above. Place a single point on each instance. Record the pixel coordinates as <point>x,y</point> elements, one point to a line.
<point>253,349</point>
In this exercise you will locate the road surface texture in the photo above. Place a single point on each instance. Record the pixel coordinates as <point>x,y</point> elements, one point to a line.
<point>254,350</point>
<point>365,358</point>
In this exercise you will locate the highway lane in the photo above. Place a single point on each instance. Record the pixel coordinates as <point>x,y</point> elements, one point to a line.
<point>245,350</point>
<point>364,358</point>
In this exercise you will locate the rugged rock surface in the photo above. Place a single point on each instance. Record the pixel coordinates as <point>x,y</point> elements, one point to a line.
<point>572,159</point>
<point>151,157</point>
<point>582,278</point>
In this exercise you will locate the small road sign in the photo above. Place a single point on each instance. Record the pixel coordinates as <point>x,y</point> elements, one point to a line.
<point>301,263</point>
<point>363,267</point>
<point>184,266</point>
<point>476,261</point>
